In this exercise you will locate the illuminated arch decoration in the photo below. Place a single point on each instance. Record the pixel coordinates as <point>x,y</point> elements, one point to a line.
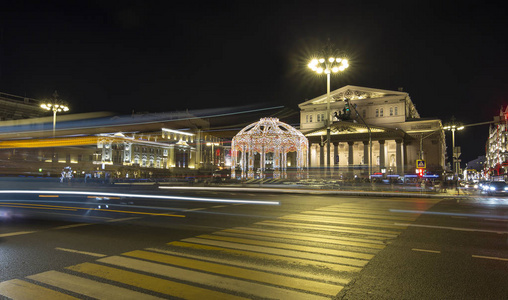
<point>269,135</point>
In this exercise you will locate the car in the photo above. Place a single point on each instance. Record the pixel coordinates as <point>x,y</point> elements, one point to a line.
<point>497,188</point>
<point>470,185</point>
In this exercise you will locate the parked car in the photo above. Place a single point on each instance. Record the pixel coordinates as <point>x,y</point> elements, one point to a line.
<point>497,188</point>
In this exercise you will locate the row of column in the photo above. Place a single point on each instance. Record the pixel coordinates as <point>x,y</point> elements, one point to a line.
<point>399,159</point>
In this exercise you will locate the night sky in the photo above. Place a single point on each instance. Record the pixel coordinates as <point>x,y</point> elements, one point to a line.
<point>160,56</point>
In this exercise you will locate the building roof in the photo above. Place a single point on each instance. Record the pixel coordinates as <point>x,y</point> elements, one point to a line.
<point>352,92</point>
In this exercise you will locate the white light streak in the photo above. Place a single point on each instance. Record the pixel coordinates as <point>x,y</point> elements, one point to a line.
<point>141,196</point>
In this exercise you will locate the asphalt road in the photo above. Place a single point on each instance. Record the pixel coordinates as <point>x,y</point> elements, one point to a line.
<point>197,244</point>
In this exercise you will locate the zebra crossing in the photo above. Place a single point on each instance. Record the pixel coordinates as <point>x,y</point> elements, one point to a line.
<point>306,255</point>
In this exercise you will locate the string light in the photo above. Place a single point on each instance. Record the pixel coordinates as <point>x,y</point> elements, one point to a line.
<point>268,135</point>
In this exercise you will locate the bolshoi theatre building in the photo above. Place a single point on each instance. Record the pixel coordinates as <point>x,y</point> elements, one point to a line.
<point>384,133</point>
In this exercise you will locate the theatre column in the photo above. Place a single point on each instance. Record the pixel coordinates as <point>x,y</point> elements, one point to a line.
<point>399,158</point>
<point>351,158</point>
<point>309,155</point>
<point>366,154</point>
<point>321,157</point>
<point>336,155</point>
<point>381,154</point>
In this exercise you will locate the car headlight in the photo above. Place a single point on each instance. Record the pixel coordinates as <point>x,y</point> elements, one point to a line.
<point>475,186</point>
<point>492,188</point>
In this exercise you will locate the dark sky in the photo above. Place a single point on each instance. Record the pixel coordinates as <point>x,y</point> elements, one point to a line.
<point>171,55</point>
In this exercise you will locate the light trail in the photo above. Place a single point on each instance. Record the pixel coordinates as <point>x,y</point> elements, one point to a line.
<point>199,199</point>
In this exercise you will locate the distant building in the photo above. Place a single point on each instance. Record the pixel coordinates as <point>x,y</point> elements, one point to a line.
<point>399,136</point>
<point>14,107</point>
<point>474,169</point>
<point>496,147</point>
<point>104,145</point>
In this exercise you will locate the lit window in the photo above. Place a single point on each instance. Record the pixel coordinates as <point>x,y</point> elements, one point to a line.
<point>318,117</point>
<point>391,111</point>
<point>306,118</point>
<point>310,118</point>
<point>396,110</point>
<point>381,112</point>
<point>377,112</point>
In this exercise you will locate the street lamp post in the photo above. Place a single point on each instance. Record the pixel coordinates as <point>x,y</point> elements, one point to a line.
<point>55,105</point>
<point>328,66</point>
<point>454,126</point>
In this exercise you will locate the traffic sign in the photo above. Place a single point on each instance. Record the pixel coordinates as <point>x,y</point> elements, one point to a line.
<point>420,164</point>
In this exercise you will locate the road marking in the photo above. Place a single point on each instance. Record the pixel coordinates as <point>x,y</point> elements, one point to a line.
<point>81,252</point>
<point>195,209</point>
<point>19,289</point>
<point>124,219</point>
<point>241,273</point>
<point>342,209</point>
<point>424,250</point>
<point>305,261</point>
<point>383,234</point>
<point>15,233</point>
<point>35,206</point>
<point>321,219</point>
<point>71,226</point>
<point>55,207</point>
<point>490,257</point>
<point>497,220</point>
<point>315,255</point>
<point>87,287</point>
<point>300,237</point>
<point>287,246</point>
<point>219,206</point>
<point>453,228</point>
<point>48,196</point>
<point>146,282</point>
<point>300,273</point>
<point>359,215</point>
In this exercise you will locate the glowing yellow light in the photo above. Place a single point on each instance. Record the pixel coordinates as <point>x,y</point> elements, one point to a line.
<point>344,62</point>
<point>321,60</point>
<point>341,68</point>
<point>335,69</point>
<point>331,59</point>
<point>338,60</point>
<point>327,71</point>
<point>319,70</point>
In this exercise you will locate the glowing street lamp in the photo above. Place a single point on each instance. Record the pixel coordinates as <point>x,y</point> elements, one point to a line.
<point>328,64</point>
<point>55,105</point>
<point>453,126</point>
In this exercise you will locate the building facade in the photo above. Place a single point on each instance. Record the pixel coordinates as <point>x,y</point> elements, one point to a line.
<point>385,133</point>
<point>496,148</point>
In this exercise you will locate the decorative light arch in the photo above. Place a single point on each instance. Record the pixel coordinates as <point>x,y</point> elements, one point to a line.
<point>269,135</point>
